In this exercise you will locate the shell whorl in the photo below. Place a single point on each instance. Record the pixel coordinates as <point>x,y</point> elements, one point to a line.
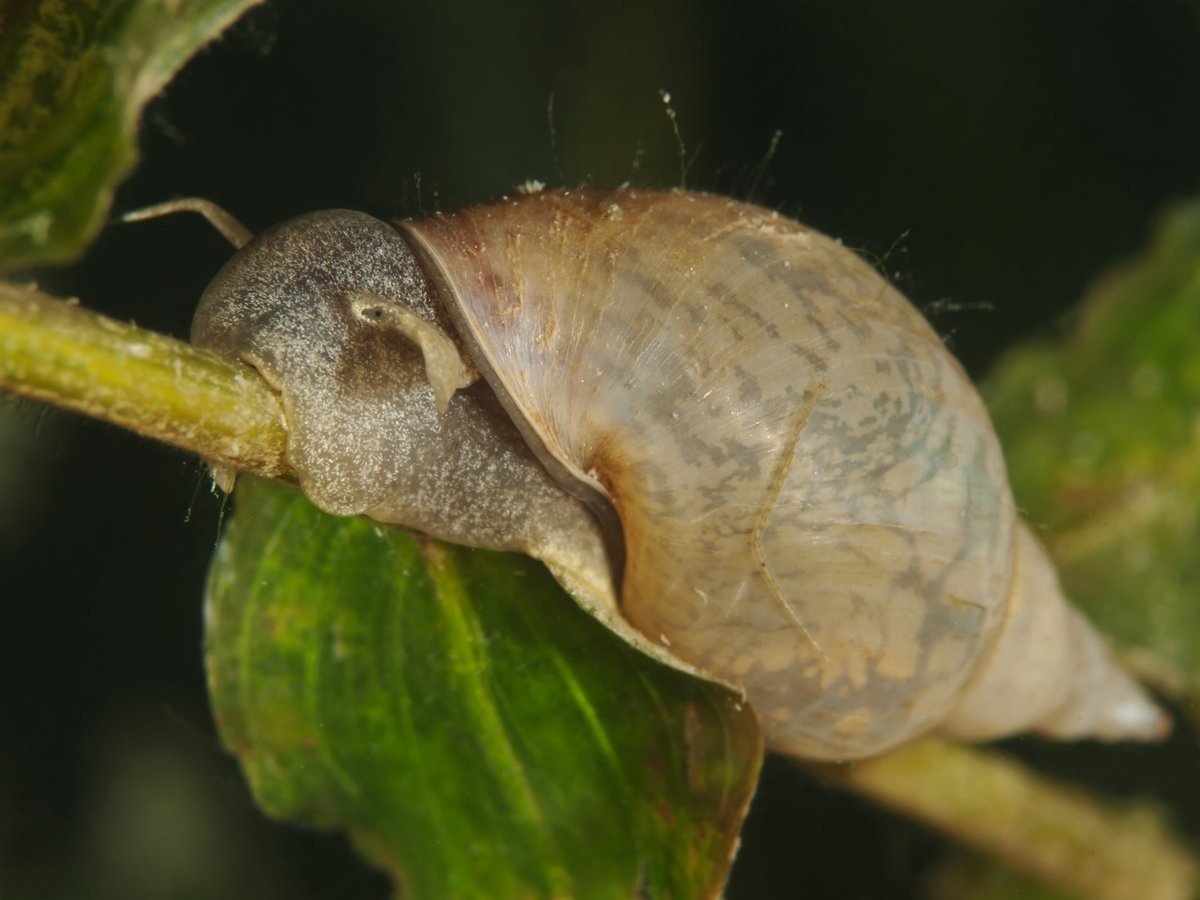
<point>814,504</point>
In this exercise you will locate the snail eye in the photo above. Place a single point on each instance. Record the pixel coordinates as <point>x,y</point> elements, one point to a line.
<point>368,313</point>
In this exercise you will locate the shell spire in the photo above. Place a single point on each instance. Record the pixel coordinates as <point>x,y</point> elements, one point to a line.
<point>1050,672</point>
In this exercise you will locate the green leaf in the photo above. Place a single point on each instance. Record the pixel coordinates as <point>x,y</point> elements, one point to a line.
<point>1102,435</point>
<point>477,733</point>
<point>76,76</point>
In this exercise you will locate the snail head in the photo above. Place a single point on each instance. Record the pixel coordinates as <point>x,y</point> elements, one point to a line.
<point>333,310</point>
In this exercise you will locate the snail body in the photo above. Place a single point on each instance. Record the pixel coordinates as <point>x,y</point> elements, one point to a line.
<point>726,435</point>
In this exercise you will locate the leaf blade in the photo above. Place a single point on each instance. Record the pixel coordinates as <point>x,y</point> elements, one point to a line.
<point>77,76</point>
<point>465,762</point>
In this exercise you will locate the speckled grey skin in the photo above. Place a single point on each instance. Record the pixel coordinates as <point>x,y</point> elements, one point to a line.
<point>364,430</point>
<point>813,504</point>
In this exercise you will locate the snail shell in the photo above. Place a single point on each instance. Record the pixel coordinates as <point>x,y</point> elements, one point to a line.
<point>726,435</point>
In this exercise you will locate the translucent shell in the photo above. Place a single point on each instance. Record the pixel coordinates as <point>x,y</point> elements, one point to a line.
<point>813,502</point>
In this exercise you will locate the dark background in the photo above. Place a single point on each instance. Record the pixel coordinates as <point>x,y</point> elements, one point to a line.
<point>992,156</point>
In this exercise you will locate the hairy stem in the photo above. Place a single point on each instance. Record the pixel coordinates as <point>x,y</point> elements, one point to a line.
<point>159,387</point>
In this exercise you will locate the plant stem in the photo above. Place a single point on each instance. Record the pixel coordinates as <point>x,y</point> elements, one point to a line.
<point>159,387</point>
<point>1055,833</point>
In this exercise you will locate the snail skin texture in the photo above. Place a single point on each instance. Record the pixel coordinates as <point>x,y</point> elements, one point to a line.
<point>726,435</point>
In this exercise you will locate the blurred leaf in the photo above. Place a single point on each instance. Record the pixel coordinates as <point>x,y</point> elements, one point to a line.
<point>24,472</point>
<point>1102,435</point>
<point>477,733</point>
<point>75,78</point>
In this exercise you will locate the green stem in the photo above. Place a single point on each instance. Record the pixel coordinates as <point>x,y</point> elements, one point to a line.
<point>159,387</point>
<point>1057,834</point>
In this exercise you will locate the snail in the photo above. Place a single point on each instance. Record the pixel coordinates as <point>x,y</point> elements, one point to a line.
<point>725,434</point>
